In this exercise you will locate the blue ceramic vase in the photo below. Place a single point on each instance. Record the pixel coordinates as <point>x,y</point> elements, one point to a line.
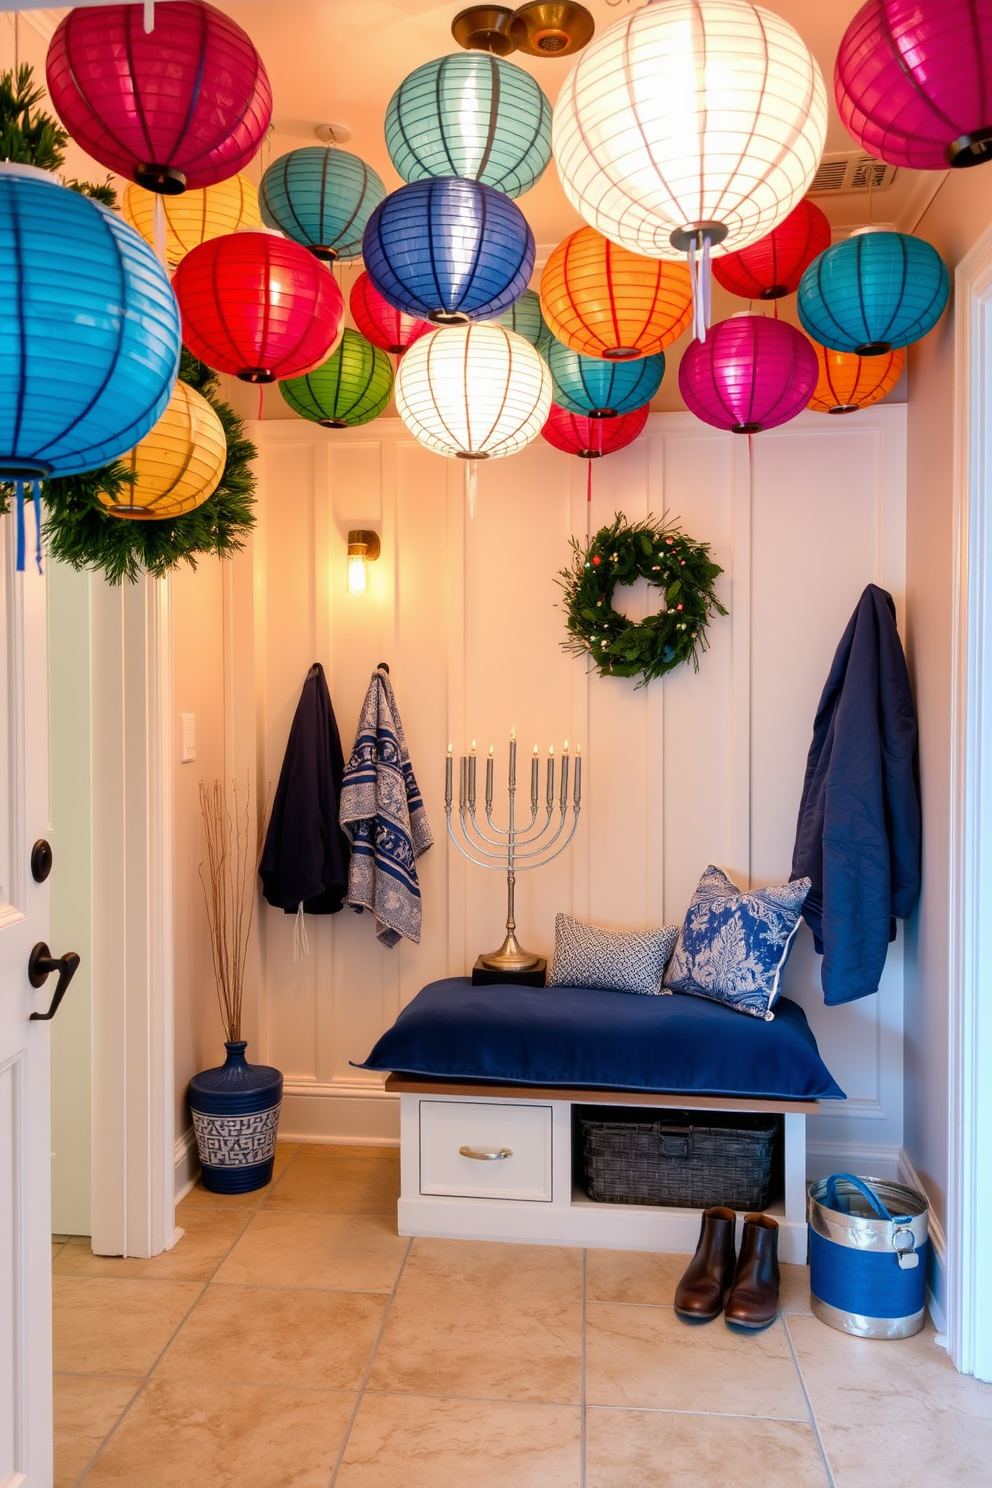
<point>236,1115</point>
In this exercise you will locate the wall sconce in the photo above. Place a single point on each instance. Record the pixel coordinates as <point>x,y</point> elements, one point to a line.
<point>363,547</point>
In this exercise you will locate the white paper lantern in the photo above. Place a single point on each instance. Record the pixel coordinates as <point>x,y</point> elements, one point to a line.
<point>690,118</point>
<point>474,392</point>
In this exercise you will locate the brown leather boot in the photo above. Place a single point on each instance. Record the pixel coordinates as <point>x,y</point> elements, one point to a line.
<point>753,1300</point>
<point>700,1294</point>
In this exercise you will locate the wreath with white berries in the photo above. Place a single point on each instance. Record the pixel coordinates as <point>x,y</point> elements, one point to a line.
<point>619,554</point>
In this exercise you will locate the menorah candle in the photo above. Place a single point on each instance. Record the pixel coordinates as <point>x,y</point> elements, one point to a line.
<point>447,778</point>
<point>513,758</point>
<point>489,780</point>
<point>564,776</point>
<point>534,781</point>
<point>471,777</point>
<point>462,782</point>
<point>577,795</point>
<point>551,777</point>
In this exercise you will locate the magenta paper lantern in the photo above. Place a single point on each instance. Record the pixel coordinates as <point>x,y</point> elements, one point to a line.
<point>914,81</point>
<point>184,105</point>
<point>751,373</point>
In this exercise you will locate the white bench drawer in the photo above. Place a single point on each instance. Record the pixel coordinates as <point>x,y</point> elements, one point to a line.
<point>521,1131</point>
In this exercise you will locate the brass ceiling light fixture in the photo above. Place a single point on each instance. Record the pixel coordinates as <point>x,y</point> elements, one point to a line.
<point>540,28</point>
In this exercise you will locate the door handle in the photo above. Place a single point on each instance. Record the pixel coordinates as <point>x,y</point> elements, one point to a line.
<point>41,964</point>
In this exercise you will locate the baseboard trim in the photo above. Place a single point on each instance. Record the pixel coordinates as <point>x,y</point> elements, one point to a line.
<point>866,1160</point>
<point>187,1165</point>
<point>937,1270</point>
<point>343,1111</point>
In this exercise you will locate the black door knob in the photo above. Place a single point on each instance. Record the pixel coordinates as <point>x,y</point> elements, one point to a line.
<point>41,964</point>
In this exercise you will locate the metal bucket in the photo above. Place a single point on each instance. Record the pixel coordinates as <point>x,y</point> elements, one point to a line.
<point>868,1250</point>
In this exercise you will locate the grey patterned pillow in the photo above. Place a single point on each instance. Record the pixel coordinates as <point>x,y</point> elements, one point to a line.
<point>612,960</point>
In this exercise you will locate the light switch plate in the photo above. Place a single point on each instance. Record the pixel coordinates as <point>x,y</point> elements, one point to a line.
<point>187,735</point>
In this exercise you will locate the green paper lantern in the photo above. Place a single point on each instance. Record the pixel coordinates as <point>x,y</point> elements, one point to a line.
<point>352,387</point>
<point>524,317</point>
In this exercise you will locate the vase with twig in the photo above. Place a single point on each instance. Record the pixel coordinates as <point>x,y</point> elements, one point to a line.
<point>235,1106</point>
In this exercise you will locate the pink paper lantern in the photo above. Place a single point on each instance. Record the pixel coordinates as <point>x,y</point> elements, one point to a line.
<point>913,81</point>
<point>751,373</point>
<point>590,438</point>
<point>184,105</point>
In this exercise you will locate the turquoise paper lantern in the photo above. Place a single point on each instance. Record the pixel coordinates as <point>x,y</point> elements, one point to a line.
<point>352,387</point>
<point>873,293</point>
<point>321,197</point>
<point>601,389</point>
<point>470,115</point>
<point>526,319</point>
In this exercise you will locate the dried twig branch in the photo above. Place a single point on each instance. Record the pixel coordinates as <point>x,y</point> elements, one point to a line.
<point>228,875</point>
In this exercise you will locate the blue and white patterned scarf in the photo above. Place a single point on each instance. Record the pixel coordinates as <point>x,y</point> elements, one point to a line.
<point>383,816</point>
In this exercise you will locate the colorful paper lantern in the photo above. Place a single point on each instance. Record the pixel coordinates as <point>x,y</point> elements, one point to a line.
<point>604,301</point>
<point>591,438</point>
<point>185,104</point>
<point>601,389</point>
<point>177,465</point>
<point>524,316</point>
<point>773,266</point>
<point>379,322</point>
<point>751,373</point>
<point>875,291</point>
<point>352,387</point>
<point>449,250</point>
<point>475,392</point>
<point>913,82</point>
<point>470,115</point>
<point>91,336</point>
<point>194,217</point>
<point>321,197</point>
<point>690,120</point>
<point>848,382</point>
<point>258,307</point>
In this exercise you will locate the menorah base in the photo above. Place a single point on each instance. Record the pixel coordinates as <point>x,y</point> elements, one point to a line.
<point>510,957</point>
<point>482,976</point>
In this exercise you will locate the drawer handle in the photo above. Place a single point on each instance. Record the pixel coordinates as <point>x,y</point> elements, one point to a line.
<point>503,1152</point>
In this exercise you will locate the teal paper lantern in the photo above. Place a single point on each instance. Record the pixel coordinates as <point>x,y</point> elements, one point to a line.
<point>321,197</point>
<point>526,319</point>
<point>873,293</point>
<point>352,387</point>
<point>602,389</point>
<point>470,115</point>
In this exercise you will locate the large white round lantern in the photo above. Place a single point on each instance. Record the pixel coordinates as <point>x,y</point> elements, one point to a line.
<point>690,122</point>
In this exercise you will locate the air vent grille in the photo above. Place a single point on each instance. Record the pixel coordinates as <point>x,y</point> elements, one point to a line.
<point>851,172</point>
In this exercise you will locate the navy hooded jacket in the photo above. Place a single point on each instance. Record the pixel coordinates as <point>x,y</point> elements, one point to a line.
<point>858,836</point>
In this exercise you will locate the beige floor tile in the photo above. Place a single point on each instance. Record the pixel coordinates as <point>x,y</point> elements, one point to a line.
<point>645,1357</point>
<point>794,1289</point>
<point>410,1442</point>
<point>86,1407</point>
<point>198,1195</point>
<point>209,1235</point>
<point>257,1335</point>
<point>633,1276</point>
<point>352,1253</point>
<point>549,1272</point>
<point>626,1449</point>
<point>237,1436</point>
<point>339,1180</point>
<point>115,1327</point>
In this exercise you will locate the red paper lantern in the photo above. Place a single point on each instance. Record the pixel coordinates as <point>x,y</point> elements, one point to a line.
<point>591,438</point>
<point>388,328</point>
<point>185,104</point>
<point>258,306</point>
<point>773,266</point>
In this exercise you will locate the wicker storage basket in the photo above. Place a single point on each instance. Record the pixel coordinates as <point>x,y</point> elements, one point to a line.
<point>689,1160</point>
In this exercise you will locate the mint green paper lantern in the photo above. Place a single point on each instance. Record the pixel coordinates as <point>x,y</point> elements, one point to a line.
<point>471,115</point>
<point>352,387</point>
<point>524,317</point>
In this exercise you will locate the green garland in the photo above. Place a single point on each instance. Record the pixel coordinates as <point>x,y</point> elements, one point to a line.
<point>619,554</point>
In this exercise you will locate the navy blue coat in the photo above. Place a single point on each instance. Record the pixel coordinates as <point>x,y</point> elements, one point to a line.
<point>858,836</point>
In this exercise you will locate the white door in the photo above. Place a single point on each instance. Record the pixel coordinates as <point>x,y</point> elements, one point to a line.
<point>25,1146</point>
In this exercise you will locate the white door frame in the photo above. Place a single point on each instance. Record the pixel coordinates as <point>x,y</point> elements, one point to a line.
<point>969,1198</point>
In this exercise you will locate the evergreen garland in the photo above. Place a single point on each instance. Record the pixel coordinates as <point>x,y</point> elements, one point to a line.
<point>619,554</point>
<point>25,138</point>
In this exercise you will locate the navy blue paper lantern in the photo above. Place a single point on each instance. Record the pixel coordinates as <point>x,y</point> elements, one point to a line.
<point>322,198</point>
<point>524,317</point>
<point>449,250</point>
<point>91,333</point>
<point>873,293</point>
<point>602,389</point>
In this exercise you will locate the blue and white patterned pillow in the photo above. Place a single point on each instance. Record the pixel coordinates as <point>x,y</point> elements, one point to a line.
<point>733,945</point>
<point>611,960</point>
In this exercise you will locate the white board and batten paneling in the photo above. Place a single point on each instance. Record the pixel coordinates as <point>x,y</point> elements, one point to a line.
<point>698,768</point>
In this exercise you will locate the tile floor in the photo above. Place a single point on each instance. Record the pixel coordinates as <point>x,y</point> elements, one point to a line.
<point>291,1338</point>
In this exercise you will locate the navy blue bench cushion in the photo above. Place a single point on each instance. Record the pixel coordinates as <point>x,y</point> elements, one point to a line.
<point>577,1037</point>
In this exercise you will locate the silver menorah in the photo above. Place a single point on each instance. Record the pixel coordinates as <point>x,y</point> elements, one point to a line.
<point>512,849</point>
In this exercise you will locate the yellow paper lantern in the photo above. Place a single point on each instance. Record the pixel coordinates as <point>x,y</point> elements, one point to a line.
<point>177,465</point>
<point>193,217</point>
<point>601,300</point>
<point>848,382</point>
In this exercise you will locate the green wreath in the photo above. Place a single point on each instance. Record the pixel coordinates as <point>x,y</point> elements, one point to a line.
<point>619,554</point>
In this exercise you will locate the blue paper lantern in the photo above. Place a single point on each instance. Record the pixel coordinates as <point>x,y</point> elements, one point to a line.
<point>321,197</point>
<point>601,389</point>
<point>470,115</point>
<point>449,250</point>
<point>526,319</point>
<point>873,293</point>
<point>91,332</point>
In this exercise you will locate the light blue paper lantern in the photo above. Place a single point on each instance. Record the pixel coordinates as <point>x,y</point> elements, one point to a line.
<point>601,389</point>
<point>470,115</point>
<point>322,198</point>
<point>89,330</point>
<point>524,317</point>
<point>873,293</point>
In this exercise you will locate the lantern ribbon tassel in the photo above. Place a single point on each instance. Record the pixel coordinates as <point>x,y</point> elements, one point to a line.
<point>471,484</point>
<point>36,492</point>
<point>19,504</point>
<point>701,280</point>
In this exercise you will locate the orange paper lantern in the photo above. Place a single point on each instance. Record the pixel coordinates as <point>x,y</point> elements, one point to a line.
<point>848,382</point>
<point>601,300</point>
